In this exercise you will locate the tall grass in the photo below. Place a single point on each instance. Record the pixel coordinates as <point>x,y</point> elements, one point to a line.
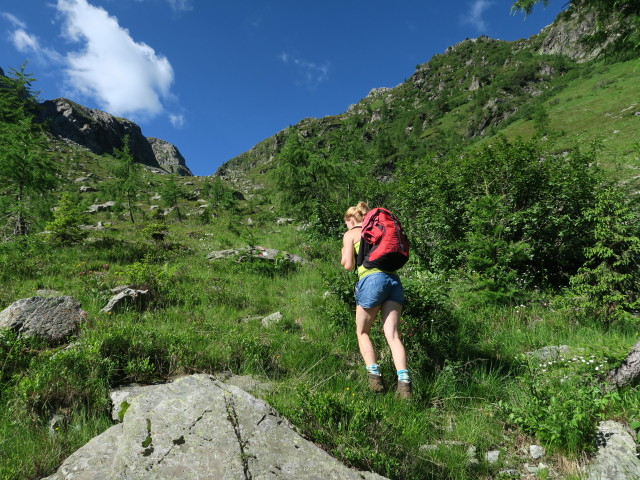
<point>473,385</point>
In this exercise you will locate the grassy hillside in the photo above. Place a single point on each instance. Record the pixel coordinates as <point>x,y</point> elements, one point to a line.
<point>473,384</point>
<point>523,287</point>
<point>600,105</point>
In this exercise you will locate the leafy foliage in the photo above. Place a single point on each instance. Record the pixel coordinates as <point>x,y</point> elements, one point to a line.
<point>27,172</point>
<point>610,277</point>
<point>171,193</point>
<point>68,216</point>
<point>507,212</point>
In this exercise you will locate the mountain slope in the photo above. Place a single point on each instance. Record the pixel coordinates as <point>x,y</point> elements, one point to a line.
<point>473,91</point>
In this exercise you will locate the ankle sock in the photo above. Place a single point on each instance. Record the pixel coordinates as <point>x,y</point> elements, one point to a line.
<point>373,369</point>
<point>403,376</point>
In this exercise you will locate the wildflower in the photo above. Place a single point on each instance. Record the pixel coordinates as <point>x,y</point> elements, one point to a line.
<point>597,368</point>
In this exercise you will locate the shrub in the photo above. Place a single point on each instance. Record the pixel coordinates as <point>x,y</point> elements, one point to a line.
<point>562,401</point>
<point>67,217</point>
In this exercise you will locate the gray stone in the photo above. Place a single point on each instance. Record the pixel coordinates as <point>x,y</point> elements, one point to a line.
<point>86,188</point>
<point>57,423</point>
<point>256,252</point>
<point>552,352</point>
<point>246,382</point>
<point>52,318</point>
<point>127,297</point>
<point>169,157</point>
<point>617,454</point>
<point>199,428</point>
<point>536,451</point>
<point>272,319</point>
<point>102,207</point>
<point>284,221</point>
<point>492,456</point>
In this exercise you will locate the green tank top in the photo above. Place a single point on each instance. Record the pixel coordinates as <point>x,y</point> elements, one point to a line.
<point>362,271</point>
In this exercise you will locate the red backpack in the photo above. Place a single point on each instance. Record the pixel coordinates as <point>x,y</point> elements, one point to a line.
<point>383,244</point>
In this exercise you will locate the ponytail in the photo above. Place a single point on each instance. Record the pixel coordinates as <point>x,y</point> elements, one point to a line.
<point>357,213</point>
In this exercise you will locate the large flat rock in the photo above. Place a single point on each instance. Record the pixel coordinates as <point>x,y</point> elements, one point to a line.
<point>198,428</point>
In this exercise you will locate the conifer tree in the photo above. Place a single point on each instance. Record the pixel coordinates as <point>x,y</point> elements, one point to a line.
<point>171,194</point>
<point>27,172</point>
<point>128,180</point>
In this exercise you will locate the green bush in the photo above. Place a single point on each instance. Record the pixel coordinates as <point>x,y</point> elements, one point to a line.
<point>67,217</point>
<point>562,401</point>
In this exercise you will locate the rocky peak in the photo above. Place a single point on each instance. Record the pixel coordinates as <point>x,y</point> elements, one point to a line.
<point>564,36</point>
<point>101,133</point>
<point>168,156</point>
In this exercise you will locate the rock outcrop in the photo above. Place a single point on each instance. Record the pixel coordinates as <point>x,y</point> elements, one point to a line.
<point>168,156</point>
<point>101,133</point>
<point>616,458</point>
<point>564,36</point>
<point>200,428</point>
<point>127,297</point>
<point>269,254</point>
<point>52,318</point>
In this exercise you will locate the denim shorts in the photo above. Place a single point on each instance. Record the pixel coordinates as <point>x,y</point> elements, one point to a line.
<point>377,288</point>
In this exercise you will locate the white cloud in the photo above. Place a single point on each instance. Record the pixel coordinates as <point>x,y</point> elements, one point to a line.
<point>24,42</point>
<point>180,5</point>
<point>474,16</point>
<point>311,75</point>
<point>15,21</point>
<point>177,120</point>
<point>28,43</point>
<point>125,76</point>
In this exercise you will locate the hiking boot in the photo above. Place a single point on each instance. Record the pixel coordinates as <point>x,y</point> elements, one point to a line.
<point>375,382</point>
<point>403,391</point>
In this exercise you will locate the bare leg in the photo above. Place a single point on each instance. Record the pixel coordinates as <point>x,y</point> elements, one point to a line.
<point>391,319</point>
<point>364,319</point>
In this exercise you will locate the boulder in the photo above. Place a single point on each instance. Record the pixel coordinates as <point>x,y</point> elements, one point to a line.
<point>272,319</point>
<point>51,318</point>
<point>102,207</point>
<point>200,428</point>
<point>127,297</point>
<point>551,352</point>
<point>256,252</point>
<point>616,458</point>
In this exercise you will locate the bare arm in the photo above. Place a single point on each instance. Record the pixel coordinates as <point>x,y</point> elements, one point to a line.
<point>348,260</point>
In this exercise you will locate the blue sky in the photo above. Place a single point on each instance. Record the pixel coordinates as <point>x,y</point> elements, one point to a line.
<point>215,77</point>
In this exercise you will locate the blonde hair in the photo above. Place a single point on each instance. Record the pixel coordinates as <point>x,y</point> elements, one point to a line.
<point>357,213</point>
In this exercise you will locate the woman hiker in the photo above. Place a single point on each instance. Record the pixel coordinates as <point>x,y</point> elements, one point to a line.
<point>376,291</point>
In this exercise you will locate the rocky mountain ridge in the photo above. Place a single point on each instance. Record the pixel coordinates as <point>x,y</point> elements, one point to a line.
<point>461,90</point>
<point>101,133</point>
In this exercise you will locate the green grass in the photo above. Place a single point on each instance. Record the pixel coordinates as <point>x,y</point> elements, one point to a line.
<point>598,107</point>
<point>473,383</point>
<point>466,359</point>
